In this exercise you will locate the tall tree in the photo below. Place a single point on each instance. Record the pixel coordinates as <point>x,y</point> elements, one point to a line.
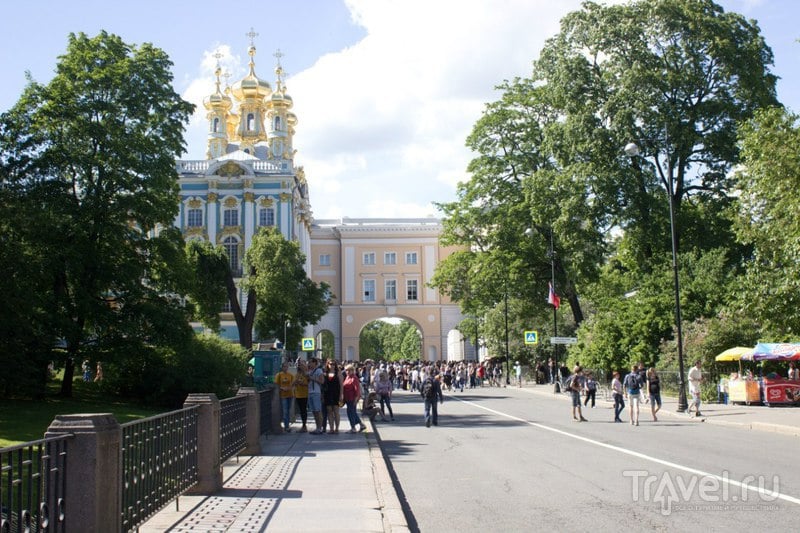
<point>95,150</point>
<point>281,287</point>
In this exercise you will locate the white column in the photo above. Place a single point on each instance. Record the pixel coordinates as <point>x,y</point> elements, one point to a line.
<point>249,219</point>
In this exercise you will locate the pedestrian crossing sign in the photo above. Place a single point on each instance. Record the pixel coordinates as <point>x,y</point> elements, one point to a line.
<point>308,344</point>
<point>531,337</point>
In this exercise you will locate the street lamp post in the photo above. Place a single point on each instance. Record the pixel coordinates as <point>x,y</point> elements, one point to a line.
<point>632,150</point>
<point>508,368</point>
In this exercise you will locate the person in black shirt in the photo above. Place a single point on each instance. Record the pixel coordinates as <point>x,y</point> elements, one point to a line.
<point>654,390</point>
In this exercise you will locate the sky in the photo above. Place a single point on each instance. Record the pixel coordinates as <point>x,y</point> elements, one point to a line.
<point>385,91</point>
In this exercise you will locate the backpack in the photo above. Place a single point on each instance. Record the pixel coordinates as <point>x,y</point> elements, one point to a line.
<point>428,391</point>
<point>632,382</point>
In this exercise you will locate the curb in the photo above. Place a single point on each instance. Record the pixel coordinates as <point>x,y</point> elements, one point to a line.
<point>394,516</point>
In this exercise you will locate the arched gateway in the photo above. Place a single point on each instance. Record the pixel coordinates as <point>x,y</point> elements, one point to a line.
<point>380,268</point>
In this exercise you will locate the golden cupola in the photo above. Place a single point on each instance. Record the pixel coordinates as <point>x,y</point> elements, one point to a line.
<point>282,121</point>
<point>218,106</point>
<point>251,93</point>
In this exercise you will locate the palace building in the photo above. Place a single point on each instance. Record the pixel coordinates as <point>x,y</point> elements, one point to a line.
<point>377,268</point>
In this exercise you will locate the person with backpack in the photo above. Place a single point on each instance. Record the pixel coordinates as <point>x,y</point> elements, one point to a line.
<point>431,391</point>
<point>574,385</point>
<point>633,388</point>
<point>383,386</point>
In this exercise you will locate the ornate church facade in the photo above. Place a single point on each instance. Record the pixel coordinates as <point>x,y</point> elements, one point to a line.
<point>377,268</point>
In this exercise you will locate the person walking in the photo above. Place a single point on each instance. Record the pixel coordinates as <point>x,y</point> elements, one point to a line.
<point>574,384</point>
<point>654,391</point>
<point>285,382</point>
<point>351,393</point>
<point>315,380</point>
<point>518,373</point>
<point>383,386</point>
<point>633,388</point>
<point>301,393</point>
<point>695,382</point>
<point>619,399</point>
<point>590,389</point>
<point>432,394</point>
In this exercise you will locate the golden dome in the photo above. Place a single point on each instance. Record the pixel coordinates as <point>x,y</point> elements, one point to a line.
<point>218,99</point>
<point>251,86</point>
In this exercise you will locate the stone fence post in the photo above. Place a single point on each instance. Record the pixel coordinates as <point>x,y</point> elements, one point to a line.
<point>94,458</point>
<point>209,468</point>
<point>253,416</point>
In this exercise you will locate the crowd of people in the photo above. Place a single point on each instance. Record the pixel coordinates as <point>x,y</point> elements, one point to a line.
<point>323,388</point>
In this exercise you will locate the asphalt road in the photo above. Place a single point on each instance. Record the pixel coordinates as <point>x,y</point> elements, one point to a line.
<point>508,459</point>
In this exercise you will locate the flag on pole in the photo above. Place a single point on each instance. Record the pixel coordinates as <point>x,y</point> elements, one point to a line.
<point>552,297</point>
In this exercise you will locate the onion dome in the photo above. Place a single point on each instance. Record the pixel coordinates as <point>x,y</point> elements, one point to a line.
<point>251,87</point>
<point>218,100</point>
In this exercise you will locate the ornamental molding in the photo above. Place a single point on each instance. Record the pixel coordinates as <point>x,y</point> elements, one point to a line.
<point>249,197</point>
<point>285,197</point>
<point>230,170</point>
<point>194,203</point>
<point>266,201</point>
<point>195,231</point>
<point>212,197</point>
<point>230,202</point>
<point>229,231</point>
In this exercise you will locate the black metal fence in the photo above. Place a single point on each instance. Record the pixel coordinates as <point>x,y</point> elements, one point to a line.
<point>232,426</point>
<point>265,411</point>
<point>159,463</point>
<point>33,486</point>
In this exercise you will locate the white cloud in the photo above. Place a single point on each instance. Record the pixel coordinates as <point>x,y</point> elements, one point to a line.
<point>382,124</point>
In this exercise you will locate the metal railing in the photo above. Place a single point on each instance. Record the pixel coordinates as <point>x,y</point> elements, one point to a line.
<point>159,463</point>
<point>33,486</point>
<point>232,426</point>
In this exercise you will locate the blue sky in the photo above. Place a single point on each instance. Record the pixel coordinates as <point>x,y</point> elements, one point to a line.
<point>385,91</point>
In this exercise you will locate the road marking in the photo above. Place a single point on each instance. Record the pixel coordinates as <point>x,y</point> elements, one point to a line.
<point>759,489</point>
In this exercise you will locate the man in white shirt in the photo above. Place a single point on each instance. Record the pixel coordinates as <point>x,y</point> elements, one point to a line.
<point>695,379</point>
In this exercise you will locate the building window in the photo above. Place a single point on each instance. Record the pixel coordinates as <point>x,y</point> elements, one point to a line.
<point>230,217</point>
<point>266,216</point>
<point>411,290</point>
<point>231,246</point>
<point>277,124</point>
<point>389,258</point>
<point>411,258</point>
<point>391,289</point>
<point>251,122</point>
<point>194,218</point>
<point>227,307</point>
<point>325,260</point>
<point>369,258</point>
<point>215,129</point>
<point>369,290</point>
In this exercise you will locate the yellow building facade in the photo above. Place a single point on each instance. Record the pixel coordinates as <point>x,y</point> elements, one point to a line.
<point>380,269</point>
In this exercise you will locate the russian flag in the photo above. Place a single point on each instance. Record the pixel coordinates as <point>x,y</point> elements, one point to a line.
<point>552,297</point>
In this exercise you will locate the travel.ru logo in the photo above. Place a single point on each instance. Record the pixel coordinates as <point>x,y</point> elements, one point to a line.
<point>673,491</point>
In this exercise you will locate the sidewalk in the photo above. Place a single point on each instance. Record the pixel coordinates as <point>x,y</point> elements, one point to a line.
<point>300,482</point>
<point>784,420</point>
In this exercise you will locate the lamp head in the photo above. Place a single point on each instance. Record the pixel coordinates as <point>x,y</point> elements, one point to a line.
<point>631,150</point>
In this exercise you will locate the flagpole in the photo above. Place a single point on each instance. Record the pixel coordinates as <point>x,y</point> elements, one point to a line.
<point>556,381</point>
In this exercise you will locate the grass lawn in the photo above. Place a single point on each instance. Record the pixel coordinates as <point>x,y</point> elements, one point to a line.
<point>26,420</point>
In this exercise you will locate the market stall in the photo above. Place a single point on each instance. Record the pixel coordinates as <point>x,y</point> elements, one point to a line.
<point>778,390</point>
<point>741,388</point>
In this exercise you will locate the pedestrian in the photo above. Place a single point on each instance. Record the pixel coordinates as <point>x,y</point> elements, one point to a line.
<point>642,379</point>
<point>333,398</point>
<point>285,382</point>
<point>518,373</point>
<point>695,381</point>
<point>574,385</point>
<point>98,375</point>
<point>301,393</point>
<point>351,393</point>
<point>370,408</point>
<point>654,391</point>
<point>619,399</point>
<point>315,380</point>
<point>87,373</point>
<point>794,373</point>
<point>590,389</point>
<point>633,388</point>
<point>383,386</point>
<point>432,394</point>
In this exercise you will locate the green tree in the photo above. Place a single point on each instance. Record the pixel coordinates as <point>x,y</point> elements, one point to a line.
<point>767,220</point>
<point>281,287</point>
<point>94,150</point>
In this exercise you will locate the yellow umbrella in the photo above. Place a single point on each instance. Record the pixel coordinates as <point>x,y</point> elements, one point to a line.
<point>734,354</point>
